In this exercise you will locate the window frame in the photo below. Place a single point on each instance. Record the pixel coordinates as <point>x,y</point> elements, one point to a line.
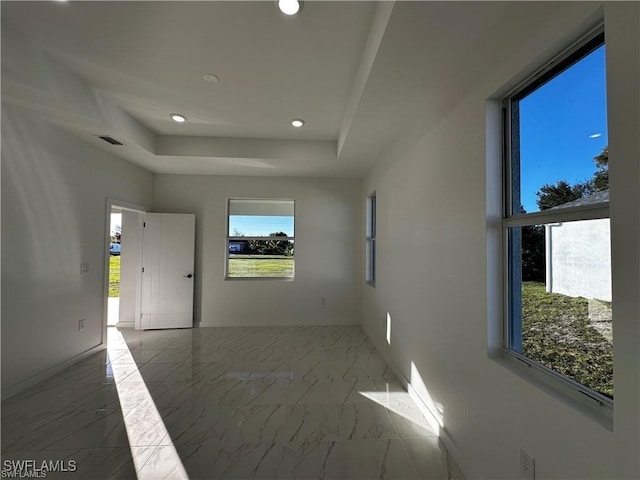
<point>230,238</point>
<point>370,239</point>
<point>540,374</point>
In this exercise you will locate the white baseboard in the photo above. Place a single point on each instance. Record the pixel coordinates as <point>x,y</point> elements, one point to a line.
<point>125,325</point>
<point>429,414</point>
<point>49,372</point>
<point>292,323</point>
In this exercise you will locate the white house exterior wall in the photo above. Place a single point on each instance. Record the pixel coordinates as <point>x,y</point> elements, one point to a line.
<point>579,259</point>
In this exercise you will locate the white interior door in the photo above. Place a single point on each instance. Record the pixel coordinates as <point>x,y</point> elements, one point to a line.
<point>168,241</point>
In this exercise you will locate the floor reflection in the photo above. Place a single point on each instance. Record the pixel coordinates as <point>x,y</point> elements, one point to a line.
<point>263,402</point>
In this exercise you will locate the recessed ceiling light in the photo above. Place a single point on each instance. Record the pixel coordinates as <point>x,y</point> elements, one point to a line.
<point>211,78</point>
<point>297,122</point>
<point>176,117</point>
<point>289,7</point>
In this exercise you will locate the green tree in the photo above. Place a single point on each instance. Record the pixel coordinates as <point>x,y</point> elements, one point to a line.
<point>116,234</point>
<point>601,177</point>
<point>533,253</point>
<point>280,247</point>
<point>552,195</point>
<point>272,246</point>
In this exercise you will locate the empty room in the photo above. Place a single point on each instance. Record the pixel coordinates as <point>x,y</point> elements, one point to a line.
<point>351,240</point>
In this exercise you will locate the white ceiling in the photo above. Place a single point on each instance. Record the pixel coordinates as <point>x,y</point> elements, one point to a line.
<point>357,72</point>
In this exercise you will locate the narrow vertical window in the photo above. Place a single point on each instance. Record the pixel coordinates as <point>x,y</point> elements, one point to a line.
<point>260,238</point>
<point>556,223</point>
<point>371,240</point>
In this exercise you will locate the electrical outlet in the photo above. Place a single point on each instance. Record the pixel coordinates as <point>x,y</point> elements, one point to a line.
<point>527,465</point>
<point>323,301</point>
<point>81,324</point>
<point>84,269</point>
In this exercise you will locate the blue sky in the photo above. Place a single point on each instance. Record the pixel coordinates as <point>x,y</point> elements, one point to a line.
<point>558,127</point>
<point>258,225</point>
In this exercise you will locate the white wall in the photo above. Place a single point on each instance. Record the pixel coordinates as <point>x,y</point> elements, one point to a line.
<point>327,250</point>
<point>54,193</point>
<point>433,191</point>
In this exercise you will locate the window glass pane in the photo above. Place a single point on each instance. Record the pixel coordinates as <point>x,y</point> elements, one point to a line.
<point>261,218</point>
<point>373,261</point>
<point>370,273</point>
<point>559,138</point>
<point>270,255</point>
<point>560,305</point>
<point>371,264</point>
<point>258,207</point>
<point>261,258</point>
<point>260,226</point>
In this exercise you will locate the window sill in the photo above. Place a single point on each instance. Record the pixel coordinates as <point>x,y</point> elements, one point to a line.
<point>599,410</point>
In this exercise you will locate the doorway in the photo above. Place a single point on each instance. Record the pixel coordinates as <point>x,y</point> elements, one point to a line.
<point>166,283</point>
<point>115,257</point>
<point>123,265</point>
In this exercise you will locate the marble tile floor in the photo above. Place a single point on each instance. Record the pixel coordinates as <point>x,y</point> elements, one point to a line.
<point>226,403</point>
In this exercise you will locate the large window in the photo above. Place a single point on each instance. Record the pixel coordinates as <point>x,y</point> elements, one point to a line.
<point>260,237</point>
<point>556,223</point>
<point>371,240</point>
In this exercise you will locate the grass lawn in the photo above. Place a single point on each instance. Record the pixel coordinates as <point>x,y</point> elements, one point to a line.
<point>245,266</point>
<point>114,276</point>
<point>557,331</point>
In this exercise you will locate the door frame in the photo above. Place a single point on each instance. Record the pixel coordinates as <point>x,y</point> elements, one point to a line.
<point>110,204</point>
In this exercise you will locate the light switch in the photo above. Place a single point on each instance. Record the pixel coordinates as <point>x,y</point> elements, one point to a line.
<point>84,269</point>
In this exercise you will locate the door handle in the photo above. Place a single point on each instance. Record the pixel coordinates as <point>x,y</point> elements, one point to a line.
<point>188,276</point>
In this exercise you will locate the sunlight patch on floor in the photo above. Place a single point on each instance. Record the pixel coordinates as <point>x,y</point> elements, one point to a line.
<point>406,405</point>
<point>143,422</point>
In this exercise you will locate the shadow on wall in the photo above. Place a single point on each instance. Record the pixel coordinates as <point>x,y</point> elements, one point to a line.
<point>42,212</point>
